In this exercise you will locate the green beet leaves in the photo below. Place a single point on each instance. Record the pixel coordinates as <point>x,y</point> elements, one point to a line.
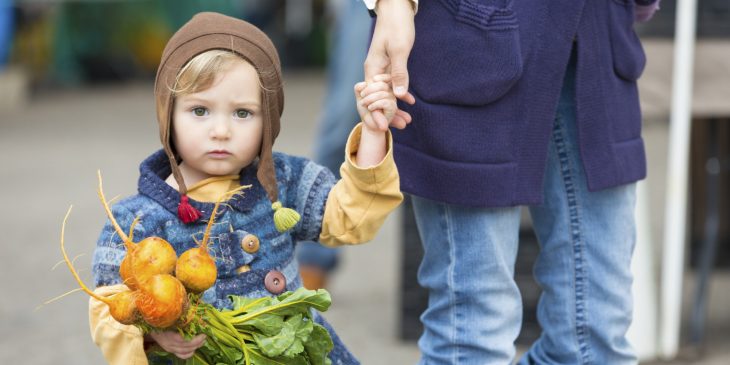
<point>262,331</point>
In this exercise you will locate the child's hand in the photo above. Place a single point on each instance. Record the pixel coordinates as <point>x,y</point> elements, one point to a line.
<point>378,95</point>
<point>175,344</point>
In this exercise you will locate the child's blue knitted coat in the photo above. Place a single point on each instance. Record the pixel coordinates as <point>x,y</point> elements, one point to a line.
<point>303,186</point>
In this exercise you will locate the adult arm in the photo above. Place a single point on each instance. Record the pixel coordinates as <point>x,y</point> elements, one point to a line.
<point>391,44</point>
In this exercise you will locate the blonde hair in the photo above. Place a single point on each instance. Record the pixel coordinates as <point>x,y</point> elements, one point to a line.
<point>200,72</point>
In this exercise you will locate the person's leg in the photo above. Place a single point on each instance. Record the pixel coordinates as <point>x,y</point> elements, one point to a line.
<point>587,239</point>
<point>349,48</point>
<point>474,308</point>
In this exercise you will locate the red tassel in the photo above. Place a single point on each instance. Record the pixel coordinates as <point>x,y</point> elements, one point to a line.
<point>186,212</point>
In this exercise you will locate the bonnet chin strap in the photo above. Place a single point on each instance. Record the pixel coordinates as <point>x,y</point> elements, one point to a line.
<point>186,212</point>
<point>284,218</point>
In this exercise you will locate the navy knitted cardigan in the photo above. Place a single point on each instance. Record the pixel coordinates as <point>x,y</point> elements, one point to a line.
<point>487,75</point>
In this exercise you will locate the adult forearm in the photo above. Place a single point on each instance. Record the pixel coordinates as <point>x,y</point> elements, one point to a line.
<point>392,42</point>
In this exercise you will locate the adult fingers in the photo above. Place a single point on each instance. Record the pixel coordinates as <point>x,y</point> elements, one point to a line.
<point>376,61</point>
<point>399,73</point>
<point>403,115</point>
<point>408,98</point>
<point>398,122</point>
<point>382,78</point>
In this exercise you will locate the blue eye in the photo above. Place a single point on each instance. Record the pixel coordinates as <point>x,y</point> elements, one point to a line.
<point>243,113</point>
<point>200,111</point>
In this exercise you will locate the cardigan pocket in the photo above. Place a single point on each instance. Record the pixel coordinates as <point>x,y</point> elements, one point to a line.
<point>470,54</point>
<point>628,54</point>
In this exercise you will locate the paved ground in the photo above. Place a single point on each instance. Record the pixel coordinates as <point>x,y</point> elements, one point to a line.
<point>49,154</point>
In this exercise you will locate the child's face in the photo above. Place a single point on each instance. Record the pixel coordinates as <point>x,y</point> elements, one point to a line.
<point>218,131</point>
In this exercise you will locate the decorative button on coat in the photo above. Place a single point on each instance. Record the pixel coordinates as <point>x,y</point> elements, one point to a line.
<point>275,282</point>
<point>250,243</point>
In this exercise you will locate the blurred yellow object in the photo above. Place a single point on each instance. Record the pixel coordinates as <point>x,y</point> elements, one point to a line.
<point>148,45</point>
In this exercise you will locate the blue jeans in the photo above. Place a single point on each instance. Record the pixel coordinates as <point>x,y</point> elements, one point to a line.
<point>586,241</point>
<point>349,48</point>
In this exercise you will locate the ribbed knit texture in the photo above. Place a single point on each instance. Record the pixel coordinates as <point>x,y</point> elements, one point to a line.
<point>302,184</point>
<point>487,74</point>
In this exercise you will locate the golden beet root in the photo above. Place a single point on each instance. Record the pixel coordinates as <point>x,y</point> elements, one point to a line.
<point>161,300</point>
<point>196,270</point>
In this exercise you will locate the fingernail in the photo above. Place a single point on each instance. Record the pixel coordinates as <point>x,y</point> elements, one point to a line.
<point>400,90</point>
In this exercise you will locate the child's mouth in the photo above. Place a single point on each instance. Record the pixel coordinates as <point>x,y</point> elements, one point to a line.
<point>219,154</point>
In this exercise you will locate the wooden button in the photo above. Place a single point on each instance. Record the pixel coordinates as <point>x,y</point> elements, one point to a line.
<point>243,269</point>
<point>250,243</point>
<point>275,282</point>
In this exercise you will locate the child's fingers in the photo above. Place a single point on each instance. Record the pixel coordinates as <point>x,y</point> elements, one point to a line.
<point>185,355</point>
<point>385,105</point>
<point>374,97</point>
<point>197,341</point>
<point>359,87</point>
<point>369,120</point>
<point>374,87</point>
<point>377,120</point>
<point>183,346</point>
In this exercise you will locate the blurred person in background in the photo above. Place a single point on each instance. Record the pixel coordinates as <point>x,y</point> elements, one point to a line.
<point>7,23</point>
<point>519,103</point>
<point>350,34</point>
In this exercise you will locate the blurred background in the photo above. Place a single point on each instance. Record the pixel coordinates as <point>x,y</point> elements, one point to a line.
<point>76,83</point>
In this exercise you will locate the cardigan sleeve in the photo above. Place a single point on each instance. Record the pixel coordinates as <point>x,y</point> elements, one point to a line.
<point>359,203</point>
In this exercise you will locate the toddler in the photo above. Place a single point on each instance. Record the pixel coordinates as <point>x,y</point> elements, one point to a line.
<point>219,99</point>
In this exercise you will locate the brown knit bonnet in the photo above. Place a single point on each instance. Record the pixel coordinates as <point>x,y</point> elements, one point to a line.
<point>213,31</point>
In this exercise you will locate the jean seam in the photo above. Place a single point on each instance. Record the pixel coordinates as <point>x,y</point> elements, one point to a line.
<point>581,328</point>
<point>451,282</point>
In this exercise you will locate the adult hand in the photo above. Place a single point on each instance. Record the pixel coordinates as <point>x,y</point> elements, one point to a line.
<point>392,43</point>
<point>175,344</point>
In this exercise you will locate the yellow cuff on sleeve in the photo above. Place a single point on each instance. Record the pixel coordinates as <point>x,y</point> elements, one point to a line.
<point>359,203</point>
<point>120,344</point>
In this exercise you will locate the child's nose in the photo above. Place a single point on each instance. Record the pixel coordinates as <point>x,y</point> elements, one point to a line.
<point>221,128</point>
